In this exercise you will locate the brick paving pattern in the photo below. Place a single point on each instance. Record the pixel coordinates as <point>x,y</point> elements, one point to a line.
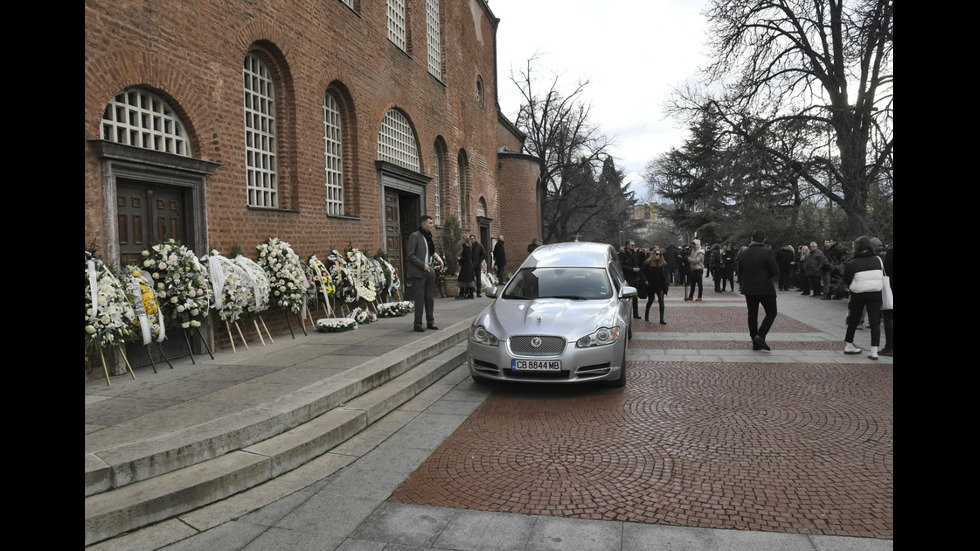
<point>800,448</point>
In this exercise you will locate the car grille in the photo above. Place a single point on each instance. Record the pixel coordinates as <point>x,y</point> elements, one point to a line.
<point>550,346</point>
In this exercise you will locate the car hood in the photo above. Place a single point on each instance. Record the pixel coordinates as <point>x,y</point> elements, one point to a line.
<point>568,318</point>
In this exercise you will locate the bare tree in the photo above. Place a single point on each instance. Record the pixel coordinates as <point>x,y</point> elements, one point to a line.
<point>569,149</point>
<point>819,69</point>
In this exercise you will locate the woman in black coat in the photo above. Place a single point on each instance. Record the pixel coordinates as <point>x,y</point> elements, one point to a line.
<point>465,280</point>
<point>654,271</point>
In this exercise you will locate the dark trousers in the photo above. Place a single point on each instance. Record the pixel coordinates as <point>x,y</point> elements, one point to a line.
<point>476,278</point>
<point>424,290</point>
<point>768,303</point>
<point>500,274</point>
<point>814,284</point>
<point>696,279</point>
<point>660,301</point>
<point>855,307</point>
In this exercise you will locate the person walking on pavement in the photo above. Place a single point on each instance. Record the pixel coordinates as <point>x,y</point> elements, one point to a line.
<point>499,259</point>
<point>654,270</point>
<point>420,272</point>
<point>630,262</point>
<point>863,275</point>
<point>757,269</point>
<point>696,269</point>
<point>815,261</point>
<point>479,256</point>
<point>465,278</point>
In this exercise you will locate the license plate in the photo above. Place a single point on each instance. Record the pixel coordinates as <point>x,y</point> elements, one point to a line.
<point>535,365</point>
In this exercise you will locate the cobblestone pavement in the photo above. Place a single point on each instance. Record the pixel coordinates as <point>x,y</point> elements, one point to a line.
<point>800,446</point>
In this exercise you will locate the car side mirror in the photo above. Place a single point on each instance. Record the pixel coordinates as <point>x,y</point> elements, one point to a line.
<point>627,292</point>
<point>490,292</point>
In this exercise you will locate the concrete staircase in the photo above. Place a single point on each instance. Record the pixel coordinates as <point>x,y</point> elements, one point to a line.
<point>142,483</point>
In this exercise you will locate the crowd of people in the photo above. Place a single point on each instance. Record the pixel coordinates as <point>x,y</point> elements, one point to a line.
<point>829,273</point>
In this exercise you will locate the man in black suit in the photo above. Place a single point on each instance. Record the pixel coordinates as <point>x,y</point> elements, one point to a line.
<point>479,256</point>
<point>756,269</point>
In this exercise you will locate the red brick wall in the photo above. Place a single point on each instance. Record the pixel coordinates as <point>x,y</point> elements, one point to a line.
<point>517,179</point>
<point>191,54</point>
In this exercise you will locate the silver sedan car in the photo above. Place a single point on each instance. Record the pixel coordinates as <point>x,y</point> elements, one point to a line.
<point>564,317</point>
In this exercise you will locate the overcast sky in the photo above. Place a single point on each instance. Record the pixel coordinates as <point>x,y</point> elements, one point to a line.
<point>632,52</point>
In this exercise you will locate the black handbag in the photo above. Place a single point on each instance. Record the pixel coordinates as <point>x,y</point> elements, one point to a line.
<point>642,288</point>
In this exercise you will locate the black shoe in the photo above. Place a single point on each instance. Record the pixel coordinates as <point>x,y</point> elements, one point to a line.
<point>432,326</point>
<point>637,317</point>
<point>420,329</point>
<point>760,342</point>
<point>479,295</point>
<point>662,322</point>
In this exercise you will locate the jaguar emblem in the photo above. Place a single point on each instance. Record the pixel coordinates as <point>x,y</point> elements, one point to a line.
<point>536,342</point>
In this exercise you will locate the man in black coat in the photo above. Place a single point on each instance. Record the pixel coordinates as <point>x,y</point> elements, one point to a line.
<point>756,270</point>
<point>479,256</point>
<point>630,261</point>
<point>500,259</point>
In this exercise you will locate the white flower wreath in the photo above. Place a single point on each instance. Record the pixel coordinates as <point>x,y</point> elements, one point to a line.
<point>149,315</point>
<point>255,276</point>
<point>395,309</point>
<point>180,281</point>
<point>286,277</point>
<point>335,325</point>
<point>232,292</point>
<point>109,316</point>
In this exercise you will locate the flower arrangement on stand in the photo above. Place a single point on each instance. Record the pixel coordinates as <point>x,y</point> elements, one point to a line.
<point>346,291</point>
<point>322,282</point>
<point>487,277</point>
<point>181,284</point>
<point>255,276</point>
<point>286,277</point>
<point>232,293</point>
<point>363,275</point>
<point>391,284</point>
<point>149,315</point>
<point>109,316</point>
<point>439,265</point>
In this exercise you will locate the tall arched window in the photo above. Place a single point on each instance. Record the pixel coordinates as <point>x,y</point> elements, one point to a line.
<point>464,189</point>
<point>333,151</point>
<point>260,134</point>
<point>396,141</point>
<point>440,180</point>
<point>140,118</point>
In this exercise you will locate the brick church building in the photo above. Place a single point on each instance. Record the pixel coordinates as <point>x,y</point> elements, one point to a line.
<point>325,123</point>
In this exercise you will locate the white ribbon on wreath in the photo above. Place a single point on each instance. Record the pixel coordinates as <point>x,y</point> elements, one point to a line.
<point>137,292</point>
<point>318,277</point>
<point>256,277</point>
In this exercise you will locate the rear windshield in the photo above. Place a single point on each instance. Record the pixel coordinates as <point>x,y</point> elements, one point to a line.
<point>567,283</point>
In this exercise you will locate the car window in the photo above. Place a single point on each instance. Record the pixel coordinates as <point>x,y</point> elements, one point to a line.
<point>617,275</point>
<point>568,283</point>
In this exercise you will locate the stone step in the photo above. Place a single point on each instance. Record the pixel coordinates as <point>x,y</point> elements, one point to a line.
<point>143,483</point>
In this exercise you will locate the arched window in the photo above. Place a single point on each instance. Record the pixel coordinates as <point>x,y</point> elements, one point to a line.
<point>464,189</point>
<point>140,118</point>
<point>396,141</point>
<point>333,151</point>
<point>440,180</point>
<point>260,134</point>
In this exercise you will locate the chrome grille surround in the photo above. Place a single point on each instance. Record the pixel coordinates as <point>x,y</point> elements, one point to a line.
<point>521,345</point>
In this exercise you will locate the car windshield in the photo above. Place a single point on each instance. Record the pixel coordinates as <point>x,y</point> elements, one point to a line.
<point>567,283</point>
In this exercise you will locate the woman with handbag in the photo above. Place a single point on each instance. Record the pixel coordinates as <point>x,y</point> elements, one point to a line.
<point>654,271</point>
<point>863,276</point>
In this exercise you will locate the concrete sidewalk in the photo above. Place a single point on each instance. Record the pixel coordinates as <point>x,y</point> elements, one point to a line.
<point>339,500</point>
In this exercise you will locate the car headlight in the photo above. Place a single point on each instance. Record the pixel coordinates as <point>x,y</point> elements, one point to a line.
<point>600,337</point>
<point>480,335</point>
